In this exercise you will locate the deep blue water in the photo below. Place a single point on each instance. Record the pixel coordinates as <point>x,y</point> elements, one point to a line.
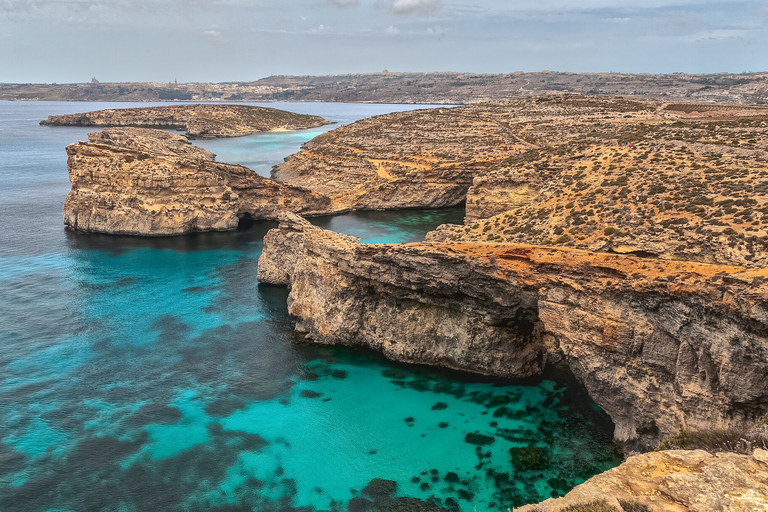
<point>145,374</point>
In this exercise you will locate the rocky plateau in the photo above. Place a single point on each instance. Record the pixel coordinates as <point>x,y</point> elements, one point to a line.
<point>673,481</point>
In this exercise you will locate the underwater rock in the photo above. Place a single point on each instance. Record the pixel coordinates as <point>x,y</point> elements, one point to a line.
<point>380,488</point>
<point>529,458</point>
<point>478,439</point>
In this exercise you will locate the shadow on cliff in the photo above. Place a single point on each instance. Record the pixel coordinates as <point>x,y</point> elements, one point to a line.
<point>248,232</point>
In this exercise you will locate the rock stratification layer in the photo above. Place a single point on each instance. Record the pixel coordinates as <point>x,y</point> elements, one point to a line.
<point>674,481</point>
<point>660,345</point>
<point>137,181</point>
<point>199,121</point>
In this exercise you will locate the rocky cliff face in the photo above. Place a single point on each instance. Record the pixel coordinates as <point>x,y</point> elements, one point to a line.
<point>423,158</point>
<point>660,345</point>
<point>135,181</point>
<point>674,481</point>
<point>199,121</point>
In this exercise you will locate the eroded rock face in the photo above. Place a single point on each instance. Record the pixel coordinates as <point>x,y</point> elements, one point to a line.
<point>432,309</point>
<point>135,181</point>
<point>660,345</point>
<point>675,481</point>
<point>423,158</point>
<point>199,121</point>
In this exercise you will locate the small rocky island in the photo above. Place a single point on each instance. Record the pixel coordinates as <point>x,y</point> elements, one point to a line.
<point>199,121</point>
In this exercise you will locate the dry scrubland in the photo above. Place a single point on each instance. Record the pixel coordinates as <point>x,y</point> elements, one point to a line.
<point>673,180</point>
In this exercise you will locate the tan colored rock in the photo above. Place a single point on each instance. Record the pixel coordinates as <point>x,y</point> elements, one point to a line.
<point>136,181</point>
<point>199,121</point>
<point>660,345</point>
<point>356,295</point>
<point>674,481</point>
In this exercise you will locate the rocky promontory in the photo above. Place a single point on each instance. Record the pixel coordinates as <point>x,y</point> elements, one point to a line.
<point>199,121</point>
<point>659,345</point>
<point>138,181</point>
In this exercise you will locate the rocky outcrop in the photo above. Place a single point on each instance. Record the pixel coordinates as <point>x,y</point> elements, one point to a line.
<point>660,345</point>
<point>199,121</point>
<point>136,181</point>
<point>491,195</point>
<point>674,481</point>
<point>415,313</point>
<point>418,159</point>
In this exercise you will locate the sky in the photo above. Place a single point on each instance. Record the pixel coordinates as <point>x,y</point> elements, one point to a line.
<point>64,41</point>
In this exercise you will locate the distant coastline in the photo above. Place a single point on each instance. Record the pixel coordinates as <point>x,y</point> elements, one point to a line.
<point>412,88</point>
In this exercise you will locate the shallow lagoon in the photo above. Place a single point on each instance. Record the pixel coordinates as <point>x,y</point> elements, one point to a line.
<point>156,374</point>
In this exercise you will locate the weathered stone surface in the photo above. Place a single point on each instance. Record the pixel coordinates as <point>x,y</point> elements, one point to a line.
<point>136,181</point>
<point>423,158</point>
<point>674,481</point>
<point>434,311</point>
<point>660,345</point>
<point>199,121</point>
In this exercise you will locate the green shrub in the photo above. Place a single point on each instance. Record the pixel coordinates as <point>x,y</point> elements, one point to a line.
<point>594,506</point>
<point>633,506</point>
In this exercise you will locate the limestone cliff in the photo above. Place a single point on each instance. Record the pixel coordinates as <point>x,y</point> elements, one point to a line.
<point>423,158</point>
<point>199,121</point>
<point>659,345</point>
<point>674,481</point>
<point>136,181</point>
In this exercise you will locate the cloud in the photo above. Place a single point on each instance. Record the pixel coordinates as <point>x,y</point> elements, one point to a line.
<point>392,30</point>
<point>215,37</point>
<point>437,31</point>
<point>343,4</point>
<point>320,29</point>
<point>415,7</point>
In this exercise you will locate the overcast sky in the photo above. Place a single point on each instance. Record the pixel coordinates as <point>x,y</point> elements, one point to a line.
<point>240,40</point>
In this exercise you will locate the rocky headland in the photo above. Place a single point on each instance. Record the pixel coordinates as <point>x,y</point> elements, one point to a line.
<point>199,121</point>
<point>625,239</point>
<point>659,345</point>
<point>138,181</point>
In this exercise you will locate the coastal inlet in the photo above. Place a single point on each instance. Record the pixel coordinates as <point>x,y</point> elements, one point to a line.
<point>152,373</point>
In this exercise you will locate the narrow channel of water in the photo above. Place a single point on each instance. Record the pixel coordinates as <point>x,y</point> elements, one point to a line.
<point>156,374</point>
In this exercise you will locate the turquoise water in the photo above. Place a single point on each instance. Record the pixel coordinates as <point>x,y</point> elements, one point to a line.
<point>157,374</point>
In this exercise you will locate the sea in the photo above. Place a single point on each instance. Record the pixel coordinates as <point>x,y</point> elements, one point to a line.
<point>143,374</point>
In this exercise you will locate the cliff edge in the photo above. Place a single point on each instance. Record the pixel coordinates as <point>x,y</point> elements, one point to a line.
<point>659,345</point>
<point>138,181</point>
